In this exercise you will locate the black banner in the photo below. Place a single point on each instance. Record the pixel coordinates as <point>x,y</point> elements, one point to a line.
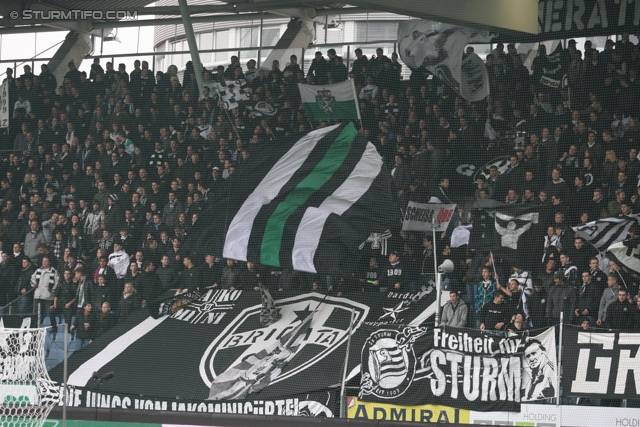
<point>461,368</point>
<point>600,364</point>
<point>181,352</point>
<point>317,404</point>
<point>580,18</point>
<point>511,231</point>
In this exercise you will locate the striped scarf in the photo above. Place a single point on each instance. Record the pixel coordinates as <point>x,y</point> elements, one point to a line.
<point>52,277</point>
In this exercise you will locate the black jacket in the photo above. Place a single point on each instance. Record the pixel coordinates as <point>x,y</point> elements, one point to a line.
<point>493,313</point>
<point>128,305</point>
<point>24,279</point>
<point>589,297</point>
<point>104,324</point>
<point>621,316</point>
<point>561,299</point>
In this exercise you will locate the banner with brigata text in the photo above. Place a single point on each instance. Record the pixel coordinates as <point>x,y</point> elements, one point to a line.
<point>427,216</point>
<point>455,367</point>
<point>194,338</point>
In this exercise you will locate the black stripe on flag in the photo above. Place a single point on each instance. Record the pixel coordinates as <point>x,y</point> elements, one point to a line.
<point>328,187</point>
<point>317,226</point>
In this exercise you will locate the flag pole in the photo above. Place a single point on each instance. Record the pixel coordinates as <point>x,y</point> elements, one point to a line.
<point>493,264</point>
<point>355,99</point>
<point>438,277</point>
<point>559,359</point>
<point>343,411</point>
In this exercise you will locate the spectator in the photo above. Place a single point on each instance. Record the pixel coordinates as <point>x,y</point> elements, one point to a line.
<point>106,320</point>
<point>23,286</point>
<point>537,306</point>
<point>129,302</point>
<point>494,315</point>
<point>620,315</point>
<point>84,325</point>
<point>609,295</point>
<point>562,299</point>
<point>191,280</point>
<point>588,298</point>
<point>32,240</point>
<point>65,297</point>
<point>119,261</point>
<point>46,280</point>
<point>454,312</point>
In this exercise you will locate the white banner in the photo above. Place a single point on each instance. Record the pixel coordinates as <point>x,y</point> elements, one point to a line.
<point>539,367</point>
<point>230,92</point>
<point>423,217</point>
<point>440,48</point>
<point>4,105</point>
<point>559,416</point>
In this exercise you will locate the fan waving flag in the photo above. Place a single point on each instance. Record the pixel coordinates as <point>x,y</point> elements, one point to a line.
<point>305,205</point>
<point>330,102</point>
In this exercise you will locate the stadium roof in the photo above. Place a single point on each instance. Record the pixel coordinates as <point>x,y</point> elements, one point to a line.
<point>494,15</point>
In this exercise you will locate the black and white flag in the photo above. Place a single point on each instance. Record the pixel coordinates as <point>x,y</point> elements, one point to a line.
<point>457,367</point>
<point>553,75</point>
<point>231,92</point>
<point>603,233</point>
<point>440,48</point>
<point>302,204</point>
<point>510,231</point>
<point>627,255</point>
<point>540,367</point>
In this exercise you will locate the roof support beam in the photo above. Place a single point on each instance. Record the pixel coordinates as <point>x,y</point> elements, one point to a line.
<point>177,21</point>
<point>191,40</point>
<point>267,5</point>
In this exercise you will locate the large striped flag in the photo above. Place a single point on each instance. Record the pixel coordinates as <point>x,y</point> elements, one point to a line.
<point>603,233</point>
<point>305,204</point>
<point>330,102</point>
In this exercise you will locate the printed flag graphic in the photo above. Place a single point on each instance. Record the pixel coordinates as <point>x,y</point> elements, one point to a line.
<point>257,370</point>
<point>302,204</point>
<point>330,102</point>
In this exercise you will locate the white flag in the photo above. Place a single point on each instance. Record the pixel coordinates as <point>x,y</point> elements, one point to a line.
<point>4,105</point>
<point>440,47</point>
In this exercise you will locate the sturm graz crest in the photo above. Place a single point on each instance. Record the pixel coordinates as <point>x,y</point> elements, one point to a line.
<point>245,335</point>
<point>388,362</point>
<point>325,100</point>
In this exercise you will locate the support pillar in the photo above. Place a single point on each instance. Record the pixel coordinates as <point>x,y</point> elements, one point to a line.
<point>74,48</point>
<point>191,40</point>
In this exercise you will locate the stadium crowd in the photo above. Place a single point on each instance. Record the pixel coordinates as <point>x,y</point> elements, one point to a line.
<point>109,171</point>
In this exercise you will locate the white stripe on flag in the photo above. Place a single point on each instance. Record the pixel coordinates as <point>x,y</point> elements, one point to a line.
<point>83,374</point>
<point>312,224</point>
<point>237,239</point>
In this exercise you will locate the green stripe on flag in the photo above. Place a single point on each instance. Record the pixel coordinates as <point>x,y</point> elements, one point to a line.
<point>343,110</point>
<point>321,173</point>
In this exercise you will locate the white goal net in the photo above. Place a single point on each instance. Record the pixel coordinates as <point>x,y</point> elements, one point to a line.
<point>26,391</point>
